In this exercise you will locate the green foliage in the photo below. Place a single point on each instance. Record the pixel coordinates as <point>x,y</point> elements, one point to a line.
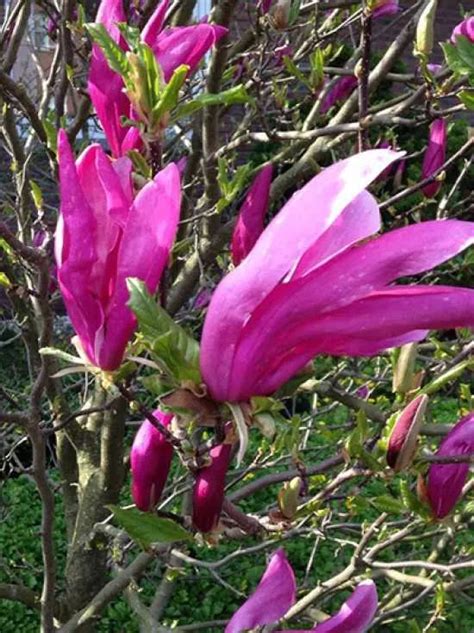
<point>169,345</point>
<point>146,528</point>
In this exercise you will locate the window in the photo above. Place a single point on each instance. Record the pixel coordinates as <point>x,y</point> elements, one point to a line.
<point>202,8</point>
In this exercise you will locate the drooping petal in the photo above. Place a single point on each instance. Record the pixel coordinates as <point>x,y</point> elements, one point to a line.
<point>446,481</point>
<point>150,461</point>
<point>249,225</point>
<point>153,27</point>
<point>75,250</point>
<point>185,45</point>
<point>144,251</point>
<point>274,595</point>
<point>301,222</point>
<point>403,438</point>
<point>435,155</point>
<point>347,277</point>
<point>355,615</point>
<point>208,492</point>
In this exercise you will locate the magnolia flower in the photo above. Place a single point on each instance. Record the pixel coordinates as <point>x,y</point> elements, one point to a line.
<point>341,89</point>
<point>208,492</point>
<point>314,284</point>
<point>382,8</point>
<point>404,436</point>
<point>464,28</point>
<point>276,593</point>
<point>172,48</point>
<point>105,235</point>
<point>150,461</point>
<point>435,155</point>
<point>446,481</point>
<point>249,224</point>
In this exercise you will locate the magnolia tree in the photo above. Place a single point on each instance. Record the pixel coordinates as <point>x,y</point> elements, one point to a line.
<point>261,387</point>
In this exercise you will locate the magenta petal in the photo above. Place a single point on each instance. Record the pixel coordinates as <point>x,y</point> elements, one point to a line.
<point>75,250</point>
<point>464,28</point>
<point>446,481</point>
<point>150,461</point>
<point>155,24</point>
<point>342,88</point>
<point>385,7</point>
<point>249,225</point>
<point>274,595</point>
<point>185,45</point>
<point>435,155</point>
<point>358,271</point>
<point>109,13</point>
<point>144,251</point>
<point>208,492</point>
<point>356,613</point>
<point>359,220</point>
<point>301,222</point>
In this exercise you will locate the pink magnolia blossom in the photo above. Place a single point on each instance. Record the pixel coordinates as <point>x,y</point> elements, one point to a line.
<point>105,235</point>
<point>265,5</point>
<point>276,592</point>
<point>446,481</point>
<point>435,155</point>
<point>342,88</point>
<point>385,7</point>
<point>150,461</point>
<point>313,284</point>
<point>208,492</point>
<point>464,28</point>
<point>249,225</point>
<point>172,48</point>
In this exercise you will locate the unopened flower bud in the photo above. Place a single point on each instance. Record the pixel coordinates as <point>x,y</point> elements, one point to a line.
<point>425,29</point>
<point>404,370</point>
<point>281,14</point>
<point>150,460</point>
<point>208,493</point>
<point>404,437</point>
<point>265,424</point>
<point>446,481</point>
<point>288,497</point>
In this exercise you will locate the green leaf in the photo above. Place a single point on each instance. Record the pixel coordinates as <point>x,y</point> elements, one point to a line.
<point>4,281</point>
<point>169,343</point>
<point>51,135</point>
<point>460,57</point>
<point>467,97</point>
<point>131,34</point>
<point>170,95</point>
<point>237,94</point>
<point>36,194</point>
<point>294,12</point>
<point>411,501</point>
<point>146,528</point>
<point>387,503</point>
<point>293,69</point>
<point>115,56</point>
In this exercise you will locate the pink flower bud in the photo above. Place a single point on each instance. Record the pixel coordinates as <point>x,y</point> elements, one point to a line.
<point>385,7</point>
<point>150,460</point>
<point>464,28</point>
<point>446,481</point>
<point>435,155</point>
<point>403,439</point>
<point>250,221</point>
<point>208,493</point>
